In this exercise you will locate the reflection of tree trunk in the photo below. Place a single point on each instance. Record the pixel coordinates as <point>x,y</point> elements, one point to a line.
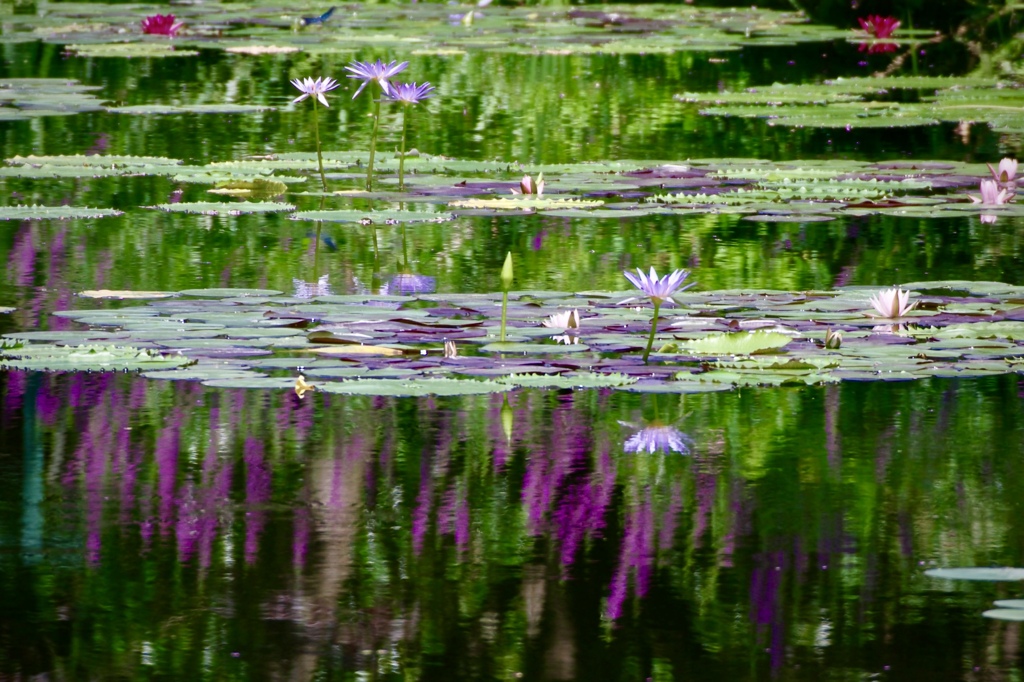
<point>533,597</point>
<point>560,658</point>
<point>335,497</point>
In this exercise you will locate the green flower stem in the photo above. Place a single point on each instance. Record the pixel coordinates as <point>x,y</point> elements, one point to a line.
<point>401,159</point>
<point>654,328</point>
<point>373,147</point>
<point>504,313</point>
<point>319,154</point>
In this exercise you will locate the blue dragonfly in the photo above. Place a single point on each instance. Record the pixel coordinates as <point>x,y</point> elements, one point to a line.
<point>306,21</point>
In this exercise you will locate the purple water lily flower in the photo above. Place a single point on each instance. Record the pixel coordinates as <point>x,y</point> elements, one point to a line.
<point>314,88</point>
<point>659,289</point>
<point>409,93</point>
<point>375,71</point>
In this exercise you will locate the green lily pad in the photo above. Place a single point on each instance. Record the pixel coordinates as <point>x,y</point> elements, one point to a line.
<point>223,208</point>
<point>373,217</point>
<point>1005,614</point>
<point>55,212</point>
<point>415,388</point>
<point>87,359</point>
<point>738,343</point>
<point>163,109</point>
<point>230,293</point>
<point>977,573</point>
<point>578,380</point>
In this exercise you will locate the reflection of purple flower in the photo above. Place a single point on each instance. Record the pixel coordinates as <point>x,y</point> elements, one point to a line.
<point>304,289</point>
<point>878,26</point>
<point>411,284</point>
<point>658,438</point>
<point>876,48</point>
<point>375,71</point>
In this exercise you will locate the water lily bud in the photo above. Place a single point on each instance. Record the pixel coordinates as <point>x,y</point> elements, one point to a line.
<point>506,273</point>
<point>833,339</point>
<point>507,414</point>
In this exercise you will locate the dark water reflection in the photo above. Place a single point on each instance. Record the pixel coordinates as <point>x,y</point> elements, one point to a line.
<point>162,530</point>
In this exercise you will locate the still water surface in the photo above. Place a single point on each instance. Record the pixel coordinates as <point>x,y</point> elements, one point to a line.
<point>162,530</point>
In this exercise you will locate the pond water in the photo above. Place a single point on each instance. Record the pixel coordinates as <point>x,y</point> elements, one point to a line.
<point>156,529</point>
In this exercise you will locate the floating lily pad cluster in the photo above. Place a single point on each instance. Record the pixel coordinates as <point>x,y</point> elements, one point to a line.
<point>873,103</point>
<point>393,345</point>
<point>98,30</point>
<point>440,189</point>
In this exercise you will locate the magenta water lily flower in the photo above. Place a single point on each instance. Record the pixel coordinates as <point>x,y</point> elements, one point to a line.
<point>878,26</point>
<point>659,289</point>
<point>314,88</point>
<point>161,25</point>
<point>409,93</point>
<point>377,72</point>
<point>992,194</point>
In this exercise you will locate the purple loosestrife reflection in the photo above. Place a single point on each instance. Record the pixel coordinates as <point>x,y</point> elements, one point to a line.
<point>316,89</point>
<point>658,289</point>
<point>380,73</point>
<point>407,94</point>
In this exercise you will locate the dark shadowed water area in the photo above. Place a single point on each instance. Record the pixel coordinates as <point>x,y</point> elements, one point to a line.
<point>166,530</point>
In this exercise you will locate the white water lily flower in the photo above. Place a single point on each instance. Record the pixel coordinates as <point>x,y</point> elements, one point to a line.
<point>567,319</point>
<point>891,303</point>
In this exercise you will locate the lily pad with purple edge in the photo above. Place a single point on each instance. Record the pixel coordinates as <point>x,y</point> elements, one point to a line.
<point>360,373</point>
<point>533,348</point>
<point>253,382</point>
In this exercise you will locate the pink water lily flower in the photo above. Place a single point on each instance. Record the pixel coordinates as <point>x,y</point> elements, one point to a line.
<point>528,186</point>
<point>992,194</point>
<point>1006,172</point>
<point>879,26</point>
<point>161,25</point>
<point>890,304</point>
